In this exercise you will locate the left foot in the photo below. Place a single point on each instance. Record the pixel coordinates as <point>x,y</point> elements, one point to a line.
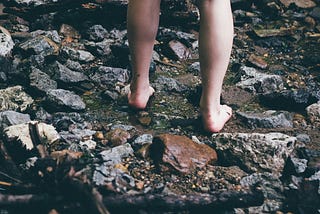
<point>139,99</point>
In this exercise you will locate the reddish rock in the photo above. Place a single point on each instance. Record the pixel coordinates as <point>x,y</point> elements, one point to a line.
<point>117,137</point>
<point>258,61</point>
<point>179,50</point>
<point>179,153</point>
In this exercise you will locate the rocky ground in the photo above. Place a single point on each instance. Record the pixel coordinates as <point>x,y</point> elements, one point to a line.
<point>70,144</point>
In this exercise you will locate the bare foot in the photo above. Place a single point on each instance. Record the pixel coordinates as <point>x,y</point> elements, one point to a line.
<point>139,100</point>
<point>214,121</point>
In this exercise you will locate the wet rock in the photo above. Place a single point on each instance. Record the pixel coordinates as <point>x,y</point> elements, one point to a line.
<point>76,55</point>
<point>255,81</point>
<point>267,119</point>
<point>108,76</point>
<point>113,156</point>
<point>168,84</point>
<point>272,189</point>
<point>258,61</point>
<point>179,153</point>
<point>97,33</point>
<point>288,99</point>
<point>118,137</point>
<point>20,133</point>
<point>9,118</point>
<point>313,112</point>
<point>15,99</point>
<point>41,82</point>
<point>299,3</point>
<point>65,76</point>
<point>254,152</point>
<point>61,99</point>
<point>40,45</point>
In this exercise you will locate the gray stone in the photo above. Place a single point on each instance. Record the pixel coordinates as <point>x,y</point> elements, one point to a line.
<point>53,35</point>
<point>169,84</point>
<point>9,118</point>
<point>272,190</point>
<point>142,140</point>
<point>63,74</point>
<point>258,82</point>
<point>41,81</point>
<point>15,99</point>
<point>97,33</point>
<point>35,2</point>
<point>303,138</point>
<point>40,45</point>
<point>300,165</point>
<point>84,134</point>
<point>20,133</point>
<point>108,76</point>
<point>73,65</point>
<point>77,55</point>
<point>313,112</point>
<point>194,68</point>
<point>254,152</point>
<point>113,156</point>
<point>267,119</point>
<point>63,99</point>
<point>6,43</point>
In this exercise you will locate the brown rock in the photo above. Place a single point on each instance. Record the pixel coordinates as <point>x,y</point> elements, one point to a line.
<point>179,153</point>
<point>299,3</point>
<point>117,137</point>
<point>258,61</point>
<point>180,51</point>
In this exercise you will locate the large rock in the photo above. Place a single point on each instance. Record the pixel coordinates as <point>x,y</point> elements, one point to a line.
<point>9,118</point>
<point>77,55</point>
<point>254,152</point>
<point>21,133</point>
<point>179,153</point>
<point>61,99</point>
<point>255,81</point>
<point>40,45</point>
<point>169,84</point>
<point>15,99</point>
<point>267,119</point>
<point>113,156</point>
<point>40,81</point>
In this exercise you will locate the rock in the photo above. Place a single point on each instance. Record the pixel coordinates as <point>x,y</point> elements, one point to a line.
<point>258,61</point>
<point>88,144</point>
<point>40,45</point>
<point>299,3</point>
<point>53,35</point>
<point>179,50</point>
<point>40,81</point>
<point>299,165</point>
<point>97,33</point>
<point>103,48</point>
<point>254,152</point>
<point>255,81</point>
<point>263,33</point>
<point>315,13</point>
<point>9,118</point>
<point>272,189</point>
<point>267,119</point>
<point>303,138</point>
<point>118,137</point>
<point>108,76</point>
<point>73,65</point>
<point>34,2</point>
<point>6,43</point>
<point>61,99</point>
<point>69,32</point>
<point>313,112</point>
<point>20,133</point>
<point>288,99</point>
<point>169,84</point>
<point>83,134</point>
<point>113,156</point>
<point>179,153</point>
<point>194,68</point>
<point>15,99</point>
<point>76,55</point>
<point>66,76</point>
<point>142,140</point>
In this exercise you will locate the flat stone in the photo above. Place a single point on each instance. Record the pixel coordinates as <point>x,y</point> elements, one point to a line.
<point>63,74</point>
<point>64,99</point>
<point>179,50</point>
<point>41,81</point>
<point>40,45</point>
<point>9,118</point>
<point>113,156</point>
<point>181,154</point>
<point>267,119</point>
<point>254,152</point>
<point>258,61</point>
<point>299,3</point>
<point>77,55</point>
<point>108,76</point>
<point>15,99</point>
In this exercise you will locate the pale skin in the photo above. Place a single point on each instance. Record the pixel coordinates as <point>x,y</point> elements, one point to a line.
<point>215,44</point>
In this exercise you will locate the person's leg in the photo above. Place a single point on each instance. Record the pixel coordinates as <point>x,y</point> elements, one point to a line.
<point>142,21</point>
<point>215,43</point>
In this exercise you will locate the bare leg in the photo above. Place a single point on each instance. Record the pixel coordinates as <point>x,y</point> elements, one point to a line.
<point>143,21</point>
<point>215,43</point>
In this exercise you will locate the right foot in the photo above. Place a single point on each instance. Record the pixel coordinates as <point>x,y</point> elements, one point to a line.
<point>139,100</point>
<point>214,121</point>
